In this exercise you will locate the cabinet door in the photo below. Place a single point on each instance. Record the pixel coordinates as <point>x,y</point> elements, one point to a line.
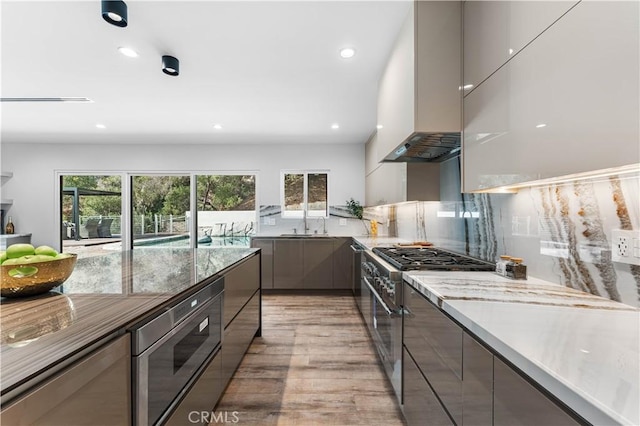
<point>420,405</point>
<point>266,262</point>
<point>342,263</point>
<point>477,383</point>
<point>240,283</point>
<point>516,402</point>
<point>318,263</point>
<point>95,390</point>
<point>287,263</point>
<point>495,31</point>
<point>238,336</point>
<point>550,109</point>
<point>386,184</point>
<point>435,342</point>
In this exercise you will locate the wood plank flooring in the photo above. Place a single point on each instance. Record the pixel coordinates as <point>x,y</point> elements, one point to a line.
<point>313,365</point>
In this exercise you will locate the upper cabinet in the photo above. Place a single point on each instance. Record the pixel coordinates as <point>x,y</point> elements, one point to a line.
<point>566,103</point>
<point>419,91</point>
<point>495,31</point>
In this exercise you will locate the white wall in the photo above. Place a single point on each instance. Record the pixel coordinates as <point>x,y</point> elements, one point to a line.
<point>34,168</point>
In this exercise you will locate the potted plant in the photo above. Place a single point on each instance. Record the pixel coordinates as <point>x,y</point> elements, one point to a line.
<point>356,211</point>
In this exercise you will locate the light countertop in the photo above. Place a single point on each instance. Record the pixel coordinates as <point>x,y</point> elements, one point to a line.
<point>584,349</point>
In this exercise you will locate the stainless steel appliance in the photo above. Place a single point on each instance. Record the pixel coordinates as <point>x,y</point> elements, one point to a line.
<point>357,249</point>
<point>170,349</point>
<point>381,298</point>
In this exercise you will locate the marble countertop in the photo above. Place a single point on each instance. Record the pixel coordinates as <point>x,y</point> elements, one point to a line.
<point>584,349</point>
<point>101,297</point>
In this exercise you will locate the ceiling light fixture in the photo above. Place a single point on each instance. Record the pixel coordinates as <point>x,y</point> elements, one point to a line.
<point>335,126</point>
<point>128,52</point>
<point>101,126</point>
<point>347,52</point>
<point>379,126</point>
<point>115,12</point>
<point>170,65</point>
<point>217,126</point>
<point>541,125</point>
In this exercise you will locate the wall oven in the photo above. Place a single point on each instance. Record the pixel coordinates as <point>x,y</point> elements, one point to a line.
<point>171,349</point>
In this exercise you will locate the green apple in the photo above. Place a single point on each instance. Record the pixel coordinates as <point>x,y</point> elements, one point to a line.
<point>46,250</point>
<point>28,259</point>
<point>63,256</point>
<point>3,256</point>
<point>19,250</point>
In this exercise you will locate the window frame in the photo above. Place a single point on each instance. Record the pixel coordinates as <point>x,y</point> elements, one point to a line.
<point>299,214</point>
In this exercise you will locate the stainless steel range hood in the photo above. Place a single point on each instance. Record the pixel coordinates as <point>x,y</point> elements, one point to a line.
<point>427,147</point>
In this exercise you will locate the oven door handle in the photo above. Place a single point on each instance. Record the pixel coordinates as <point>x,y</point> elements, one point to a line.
<point>356,249</point>
<point>389,312</point>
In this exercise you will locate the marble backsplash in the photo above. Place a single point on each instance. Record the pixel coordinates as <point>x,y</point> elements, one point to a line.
<point>339,222</point>
<point>563,231</point>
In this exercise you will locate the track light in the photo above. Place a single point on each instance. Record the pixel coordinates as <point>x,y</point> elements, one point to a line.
<point>115,12</point>
<point>170,65</point>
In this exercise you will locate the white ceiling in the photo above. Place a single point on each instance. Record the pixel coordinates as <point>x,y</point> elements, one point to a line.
<point>267,71</point>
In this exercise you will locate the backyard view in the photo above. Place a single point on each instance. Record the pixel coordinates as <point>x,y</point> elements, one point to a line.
<point>161,211</point>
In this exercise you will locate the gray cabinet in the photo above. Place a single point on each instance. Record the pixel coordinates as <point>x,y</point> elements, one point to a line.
<point>238,336</point>
<point>318,263</point>
<point>477,384</point>
<point>342,263</point>
<point>288,271</point>
<point>266,252</point>
<point>435,342</point>
<point>95,390</point>
<point>421,406</point>
<point>516,402</point>
<point>240,284</point>
<point>202,397</point>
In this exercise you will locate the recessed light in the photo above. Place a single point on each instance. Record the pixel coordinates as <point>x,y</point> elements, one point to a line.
<point>335,126</point>
<point>510,51</point>
<point>101,126</point>
<point>541,125</point>
<point>127,51</point>
<point>379,126</point>
<point>347,52</point>
<point>467,86</point>
<point>217,126</point>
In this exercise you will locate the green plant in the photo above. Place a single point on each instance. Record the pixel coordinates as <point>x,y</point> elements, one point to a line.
<point>355,208</point>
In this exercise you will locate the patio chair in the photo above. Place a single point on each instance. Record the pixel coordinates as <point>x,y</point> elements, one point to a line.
<point>104,228</point>
<point>90,229</point>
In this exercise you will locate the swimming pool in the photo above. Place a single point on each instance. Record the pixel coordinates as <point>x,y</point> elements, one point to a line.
<point>183,241</point>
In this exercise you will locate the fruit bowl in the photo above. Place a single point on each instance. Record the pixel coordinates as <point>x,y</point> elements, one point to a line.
<point>29,279</point>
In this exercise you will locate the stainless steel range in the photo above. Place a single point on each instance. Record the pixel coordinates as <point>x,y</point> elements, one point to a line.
<point>380,298</point>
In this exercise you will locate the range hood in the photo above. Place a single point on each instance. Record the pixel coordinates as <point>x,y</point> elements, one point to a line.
<point>419,96</point>
<point>427,147</point>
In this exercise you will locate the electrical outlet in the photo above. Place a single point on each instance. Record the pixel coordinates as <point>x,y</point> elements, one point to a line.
<point>624,246</point>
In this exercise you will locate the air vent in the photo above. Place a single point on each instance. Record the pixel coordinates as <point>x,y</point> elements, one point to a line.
<point>427,147</point>
<point>69,99</point>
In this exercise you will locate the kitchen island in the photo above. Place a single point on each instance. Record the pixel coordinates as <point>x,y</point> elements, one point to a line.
<point>579,349</point>
<point>44,336</point>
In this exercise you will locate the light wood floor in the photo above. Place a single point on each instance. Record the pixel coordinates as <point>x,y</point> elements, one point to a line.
<point>313,365</point>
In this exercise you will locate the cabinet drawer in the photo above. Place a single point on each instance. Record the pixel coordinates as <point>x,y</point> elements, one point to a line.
<point>238,336</point>
<point>240,283</point>
<point>517,403</point>
<point>435,342</point>
<point>420,403</point>
<point>477,386</point>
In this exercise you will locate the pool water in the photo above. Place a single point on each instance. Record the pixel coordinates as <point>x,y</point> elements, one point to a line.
<point>183,241</point>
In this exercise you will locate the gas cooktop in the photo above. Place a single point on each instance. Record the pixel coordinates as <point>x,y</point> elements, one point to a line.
<point>430,258</point>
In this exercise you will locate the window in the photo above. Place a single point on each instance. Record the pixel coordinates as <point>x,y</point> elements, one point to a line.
<point>226,208</point>
<point>161,210</point>
<point>305,193</point>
